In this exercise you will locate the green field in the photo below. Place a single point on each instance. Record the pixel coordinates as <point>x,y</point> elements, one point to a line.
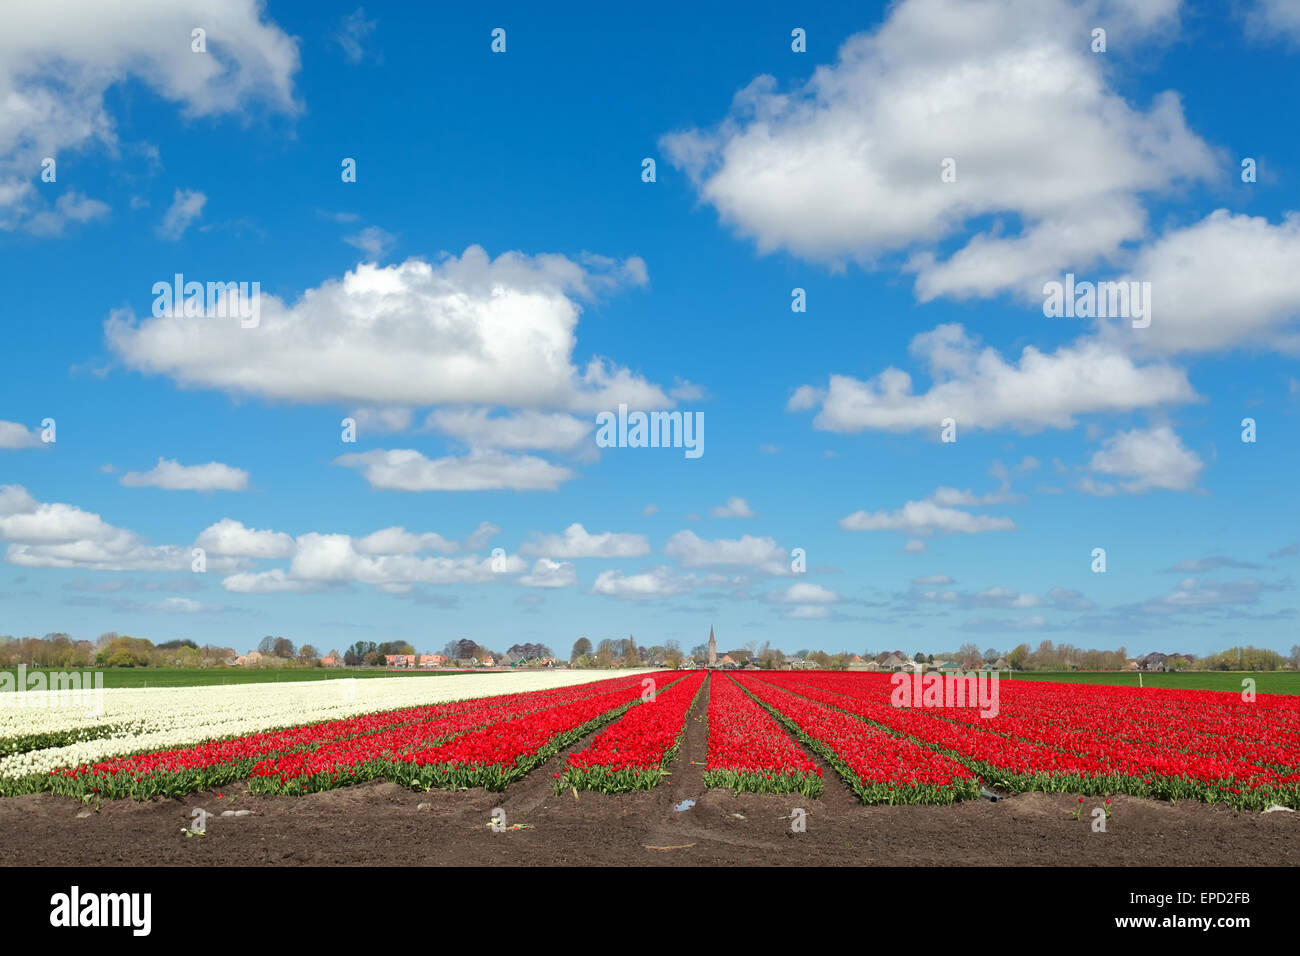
<point>198,677</point>
<point>1266,682</point>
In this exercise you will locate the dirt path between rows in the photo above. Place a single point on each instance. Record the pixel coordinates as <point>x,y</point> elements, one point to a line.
<point>379,823</point>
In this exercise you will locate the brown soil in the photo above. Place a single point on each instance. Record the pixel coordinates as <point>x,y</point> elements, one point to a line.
<point>381,824</point>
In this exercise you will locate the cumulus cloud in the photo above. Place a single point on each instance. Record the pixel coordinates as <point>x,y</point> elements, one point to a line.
<point>925,518</point>
<point>173,476</point>
<point>658,582</point>
<point>325,560</point>
<point>398,540</point>
<point>14,435</point>
<point>522,431</point>
<point>231,538</point>
<point>804,592</point>
<point>462,331</point>
<point>58,60</point>
<point>577,542</point>
<point>1226,281</point>
<point>762,554</point>
<point>734,508</point>
<point>841,169</point>
<point>550,574</point>
<point>980,389</point>
<point>404,469</point>
<point>58,535</point>
<point>387,418</point>
<point>1144,460</point>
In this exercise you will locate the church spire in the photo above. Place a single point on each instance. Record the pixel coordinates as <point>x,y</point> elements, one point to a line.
<point>713,648</point>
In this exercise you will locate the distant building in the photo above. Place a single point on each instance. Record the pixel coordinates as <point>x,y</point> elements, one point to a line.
<point>399,660</point>
<point>713,648</point>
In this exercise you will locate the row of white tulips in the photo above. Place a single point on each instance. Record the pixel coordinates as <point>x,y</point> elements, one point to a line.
<point>163,718</point>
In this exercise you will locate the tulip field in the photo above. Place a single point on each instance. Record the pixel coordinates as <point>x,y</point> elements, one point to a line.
<point>767,732</point>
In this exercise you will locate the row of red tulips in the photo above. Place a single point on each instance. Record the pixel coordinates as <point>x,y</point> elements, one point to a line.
<point>1029,746</point>
<point>878,766</point>
<point>215,763</point>
<point>634,753</point>
<point>491,756</point>
<point>748,750</point>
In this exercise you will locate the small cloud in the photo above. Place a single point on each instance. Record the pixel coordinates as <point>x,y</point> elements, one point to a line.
<point>373,241</point>
<point>915,546</point>
<point>187,205</point>
<point>649,510</point>
<point>173,476</point>
<point>734,508</point>
<point>768,449</point>
<point>353,33</point>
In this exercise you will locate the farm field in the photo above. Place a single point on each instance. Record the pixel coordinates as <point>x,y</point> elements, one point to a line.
<point>1266,682</point>
<point>144,677</point>
<point>759,745</point>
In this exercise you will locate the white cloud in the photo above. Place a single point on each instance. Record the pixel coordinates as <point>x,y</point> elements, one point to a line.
<point>955,497</point>
<point>231,538</point>
<point>57,535</point>
<point>924,518</point>
<point>173,476</point>
<point>275,581</point>
<point>804,592</point>
<point>1273,19</point>
<point>373,241</point>
<point>388,418</point>
<point>763,554</point>
<point>464,331</point>
<point>523,431</point>
<point>58,59</point>
<point>1226,281</point>
<point>353,33</point>
<point>577,542</point>
<point>658,582</point>
<point>187,206</point>
<point>1146,459</point>
<point>404,469</point>
<point>68,208</point>
<point>550,574</point>
<point>398,540</point>
<point>734,508</point>
<point>979,389</point>
<point>846,167</point>
<point>915,546</point>
<point>14,435</point>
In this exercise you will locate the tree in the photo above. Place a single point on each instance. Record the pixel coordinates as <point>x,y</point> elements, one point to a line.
<point>581,648</point>
<point>1018,657</point>
<point>307,653</point>
<point>919,658</point>
<point>283,648</point>
<point>266,646</point>
<point>969,655</point>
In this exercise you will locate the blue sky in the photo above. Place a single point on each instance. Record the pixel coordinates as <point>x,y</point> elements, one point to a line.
<point>500,272</point>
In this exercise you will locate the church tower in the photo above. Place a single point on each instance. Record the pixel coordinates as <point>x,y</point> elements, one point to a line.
<point>713,648</point>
